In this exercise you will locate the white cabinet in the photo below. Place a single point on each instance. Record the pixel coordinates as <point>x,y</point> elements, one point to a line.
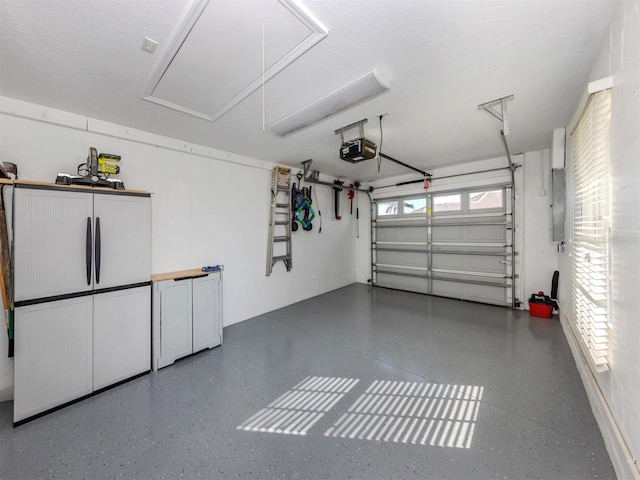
<point>82,292</point>
<point>53,355</point>
<point>123,222</point>
<point>122,329</point>
<point>207,311</point>
<point>51,229</point>
<point>68,242</point>
<point>175,321</point>
<point>187,314</point>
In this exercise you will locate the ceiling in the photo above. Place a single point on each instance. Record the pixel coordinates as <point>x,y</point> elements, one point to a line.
<point>204,82</point>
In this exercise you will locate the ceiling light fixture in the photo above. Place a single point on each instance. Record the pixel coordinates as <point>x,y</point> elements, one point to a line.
<point>356,92</point>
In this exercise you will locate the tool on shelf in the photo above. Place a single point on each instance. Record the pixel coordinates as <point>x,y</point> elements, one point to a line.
<point>95,172</point>
<point>7,169</point>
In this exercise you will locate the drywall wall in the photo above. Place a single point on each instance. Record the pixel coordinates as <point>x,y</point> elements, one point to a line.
<point>615,394</point>
<point>207,208</point>
<point>539,256</point>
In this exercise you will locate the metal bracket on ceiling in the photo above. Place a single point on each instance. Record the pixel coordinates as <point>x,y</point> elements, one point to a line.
<point>359,124</point>
<point>500,115</point>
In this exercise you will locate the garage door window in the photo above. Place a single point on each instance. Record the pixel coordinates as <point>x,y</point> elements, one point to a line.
<point>486,199</point>
<point>412,206</point>
<point>387,208</point>
<point>447,203</point>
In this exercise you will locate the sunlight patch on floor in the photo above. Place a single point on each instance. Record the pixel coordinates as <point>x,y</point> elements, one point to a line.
<point>413,413</point>
<point>298,409</point>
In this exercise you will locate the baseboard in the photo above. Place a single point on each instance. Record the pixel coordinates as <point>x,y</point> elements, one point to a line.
<point>621,457</point>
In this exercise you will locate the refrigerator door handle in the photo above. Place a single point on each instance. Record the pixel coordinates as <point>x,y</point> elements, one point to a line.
<point>88,252</point>
<point>97,249</point>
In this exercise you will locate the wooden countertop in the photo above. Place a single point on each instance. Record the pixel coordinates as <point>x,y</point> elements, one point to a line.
<point>193,272</point>
<point>10,181</point>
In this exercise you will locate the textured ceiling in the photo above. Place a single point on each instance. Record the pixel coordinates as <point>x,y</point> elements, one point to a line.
<point>442,58</point>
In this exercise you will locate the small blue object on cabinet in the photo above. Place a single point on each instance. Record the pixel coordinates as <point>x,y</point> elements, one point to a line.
<point>215,268</point>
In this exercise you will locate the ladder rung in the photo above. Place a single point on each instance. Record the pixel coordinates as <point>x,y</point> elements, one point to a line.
<point>282,205</point>
<point>283,189</point>
<point>282,257</point>
<point>281,222</point>
<point>280,239</point>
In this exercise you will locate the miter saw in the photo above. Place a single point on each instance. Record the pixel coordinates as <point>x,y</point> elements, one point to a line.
<point>95,172</point>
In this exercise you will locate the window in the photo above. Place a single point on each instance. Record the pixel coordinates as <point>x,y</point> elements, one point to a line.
<point>590,228</point>
<point>387,208</point>
<point>446,203</point>
<point>485,199</point>
<point>415,205</point>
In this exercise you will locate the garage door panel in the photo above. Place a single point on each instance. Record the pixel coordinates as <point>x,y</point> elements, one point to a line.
<point>401,234</point>
<point>464,252</point>
<point>448,234</point>
<point>403,258</point>
<point>448,289</point>
<point>400,282</point>
<point>470,292</point>
<point>486,264</point>
<point>486,294</point>
<point>476,263</point>
<point>448,261</point>
<point>487,233</point>
<point>475,233</point>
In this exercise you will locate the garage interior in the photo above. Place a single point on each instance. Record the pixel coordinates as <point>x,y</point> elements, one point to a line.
<point>436,148</point>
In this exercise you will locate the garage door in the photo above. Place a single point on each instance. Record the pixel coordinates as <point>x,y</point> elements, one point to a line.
<point>455,244</point>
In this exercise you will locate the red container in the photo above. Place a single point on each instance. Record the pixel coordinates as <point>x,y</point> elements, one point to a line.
<point>541,305</point>
<point>541,310</point>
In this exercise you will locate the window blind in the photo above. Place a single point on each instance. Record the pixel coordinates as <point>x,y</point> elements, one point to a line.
<point>590,229</point>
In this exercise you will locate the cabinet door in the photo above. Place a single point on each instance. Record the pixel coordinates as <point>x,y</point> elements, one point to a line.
<point>125,247</point>
<point>121,335</point>
<point>175,320</point>
<point>53,355</point>
<point>207,311</point>
<point>50,242</point>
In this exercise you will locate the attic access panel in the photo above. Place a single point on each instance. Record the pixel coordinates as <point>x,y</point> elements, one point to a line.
<point>216,60</point>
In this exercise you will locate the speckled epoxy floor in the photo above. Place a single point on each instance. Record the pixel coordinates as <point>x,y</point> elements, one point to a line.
<point>532,419</point>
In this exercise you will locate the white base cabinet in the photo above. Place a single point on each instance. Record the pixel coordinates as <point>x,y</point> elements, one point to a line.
<point>122,335</point>
<point>64,355</point>
<point>54,358</point>
<point>187,314</point>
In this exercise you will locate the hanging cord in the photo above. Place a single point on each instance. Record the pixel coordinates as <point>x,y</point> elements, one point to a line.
<point>264,121</point>
<point>542,191</point>
<point>315,196</point>
<point>380,146</point>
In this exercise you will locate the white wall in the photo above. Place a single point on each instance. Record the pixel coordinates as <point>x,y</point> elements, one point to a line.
<point>539,256</point>
<point>615,395</point>
<point>209,208</point>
